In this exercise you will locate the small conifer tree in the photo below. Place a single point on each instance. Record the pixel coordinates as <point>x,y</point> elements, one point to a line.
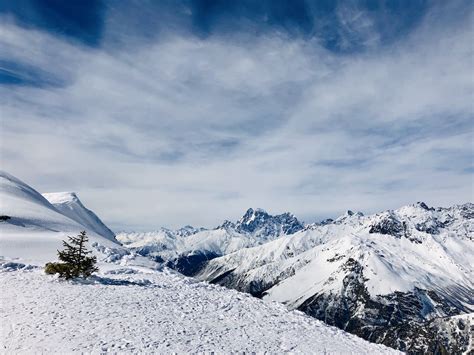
<point>75,259</point>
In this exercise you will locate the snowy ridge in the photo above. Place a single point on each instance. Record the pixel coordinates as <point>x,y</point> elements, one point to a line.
<point>69,205</point>
<point>416,255</point>
<point>185,248</point>
<point>402,278</point>
<point>385,243</point>
<point>32,228</point>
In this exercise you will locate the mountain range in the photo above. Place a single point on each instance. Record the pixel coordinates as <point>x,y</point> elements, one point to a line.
<point>188,249</point>
<point>132,304</point>
<point>402,278</point>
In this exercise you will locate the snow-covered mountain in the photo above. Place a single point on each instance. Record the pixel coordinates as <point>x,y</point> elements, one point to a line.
<point>31,227</point>
<point>259,222</point>
<point>69,205</point>
<point>381,277</point>
<point>130,305</point>
<point>401,277</point>
<point>188,249</point>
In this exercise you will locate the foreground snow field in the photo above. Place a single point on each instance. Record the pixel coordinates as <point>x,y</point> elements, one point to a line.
<point>136,310</point>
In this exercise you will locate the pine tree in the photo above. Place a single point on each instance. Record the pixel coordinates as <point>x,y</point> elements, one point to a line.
<point>75,259</point>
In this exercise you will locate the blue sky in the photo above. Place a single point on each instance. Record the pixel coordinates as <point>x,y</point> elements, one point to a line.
<point>164,113</point>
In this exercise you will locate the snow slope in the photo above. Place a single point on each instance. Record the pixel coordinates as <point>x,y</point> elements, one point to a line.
<point>131,311</point>
<point>33,228</point>
<point>312,260</point>
<point>371,275</point>
<point>69,205</point>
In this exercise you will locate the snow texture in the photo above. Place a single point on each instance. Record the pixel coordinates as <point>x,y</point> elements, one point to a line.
<point>129,310</point>
<point>129,306</point>
<point>69,205</point>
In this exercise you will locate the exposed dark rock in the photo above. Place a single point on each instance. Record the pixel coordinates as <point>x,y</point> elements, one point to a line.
<point>467,210</point>
<point>326,221</point>
<point>389,225</point>
<point>267,225</point>
<point>431,226</point>
<point>396,320</point>
<point>424,206</point>
<point>191,264</point>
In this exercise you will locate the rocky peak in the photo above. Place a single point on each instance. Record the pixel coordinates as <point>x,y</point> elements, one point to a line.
<point>258,221</point>
<point>253,218</point>
<point>187,231</point>
<point>227,225</point>
<point>347,215</point>
<point>424,206</point>
<point>387,223</point>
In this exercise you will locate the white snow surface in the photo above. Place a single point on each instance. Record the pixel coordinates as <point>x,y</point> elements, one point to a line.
<point>168,244</point>
<point>129,306</point>
<point>311,261</point>
<point>69,205</point>
<point>36,228</point>
<point>132,310</point>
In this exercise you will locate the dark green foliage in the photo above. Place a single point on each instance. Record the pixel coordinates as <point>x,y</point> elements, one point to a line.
<point>63,269</point>
<point>75,258</point>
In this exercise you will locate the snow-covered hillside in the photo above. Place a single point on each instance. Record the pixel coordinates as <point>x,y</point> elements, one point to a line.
<point>371,275</point>
<point>69,205</point>
<point>129,310</point>
<point>33,228</point>
<point>132,305</point>
<point>188,248</point>
<point>402,278</point>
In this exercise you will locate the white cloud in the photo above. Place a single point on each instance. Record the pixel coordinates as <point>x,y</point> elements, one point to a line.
<point>184,130</point>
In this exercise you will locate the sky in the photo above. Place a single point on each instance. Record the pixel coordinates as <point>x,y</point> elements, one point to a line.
<point>166,113</point>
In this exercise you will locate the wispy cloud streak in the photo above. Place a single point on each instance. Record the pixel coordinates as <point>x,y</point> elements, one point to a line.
<point>188,130</point>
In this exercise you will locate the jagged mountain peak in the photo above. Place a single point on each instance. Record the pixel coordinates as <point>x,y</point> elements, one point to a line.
<point>227,225</point>
<point>260,221</point>
<point>423,205</point>
<point>252,214</point>
<point>188,230</point>
<point>348,215</point>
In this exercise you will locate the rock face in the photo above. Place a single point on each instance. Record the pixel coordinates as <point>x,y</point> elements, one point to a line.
<point>260,222</point>
<point>390,225</point>
<point>402,278</point>
<point>395,320</point>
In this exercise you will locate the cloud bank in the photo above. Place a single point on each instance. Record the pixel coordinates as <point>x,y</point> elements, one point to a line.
<point>183,129</point>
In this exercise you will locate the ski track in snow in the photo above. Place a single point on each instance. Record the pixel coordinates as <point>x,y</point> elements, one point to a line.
<point>154,312</point>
